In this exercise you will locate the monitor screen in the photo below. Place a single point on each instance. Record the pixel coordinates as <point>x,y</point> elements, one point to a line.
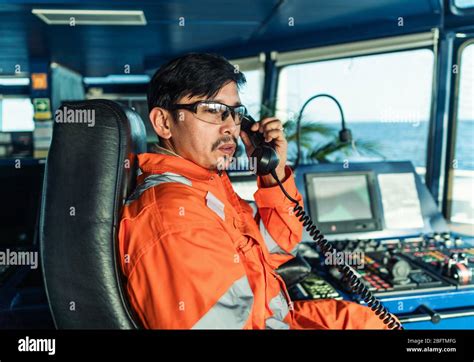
<point>343,202</point>
<point>342,198</point>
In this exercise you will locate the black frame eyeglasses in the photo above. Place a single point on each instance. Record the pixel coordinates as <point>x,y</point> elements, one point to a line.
<point>213,112</point>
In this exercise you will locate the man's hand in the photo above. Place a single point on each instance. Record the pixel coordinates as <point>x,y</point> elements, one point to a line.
<point>272,130</point>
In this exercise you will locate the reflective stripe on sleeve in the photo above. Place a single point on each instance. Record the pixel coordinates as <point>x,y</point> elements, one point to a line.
<point>271,244</point>
<point>279,307</point>
<point>232,310</point>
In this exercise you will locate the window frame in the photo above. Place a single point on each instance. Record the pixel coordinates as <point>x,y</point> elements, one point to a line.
<point>459,47</point>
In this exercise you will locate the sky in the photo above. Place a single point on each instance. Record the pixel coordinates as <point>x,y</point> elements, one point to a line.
<point>393,87</point>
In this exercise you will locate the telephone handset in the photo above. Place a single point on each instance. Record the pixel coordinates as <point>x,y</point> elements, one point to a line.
<point>266,156</point>
<point>267,161</point>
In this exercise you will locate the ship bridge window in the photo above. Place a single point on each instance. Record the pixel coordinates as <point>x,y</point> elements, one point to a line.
<point>251,92</point>
<point>464,4</point>
<point>386,100</point>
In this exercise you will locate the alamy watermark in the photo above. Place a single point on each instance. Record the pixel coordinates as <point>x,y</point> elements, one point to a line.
<point>28,344</point>
<point>392,115</point>
<point>355,259</point>
<point>14,257</point>
<point>237,164</point>
<point>67,115</point>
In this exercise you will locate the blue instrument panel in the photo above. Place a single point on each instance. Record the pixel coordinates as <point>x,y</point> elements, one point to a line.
<point>382,221</point>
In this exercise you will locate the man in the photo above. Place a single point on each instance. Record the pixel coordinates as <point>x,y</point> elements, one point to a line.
<point>193,252</point>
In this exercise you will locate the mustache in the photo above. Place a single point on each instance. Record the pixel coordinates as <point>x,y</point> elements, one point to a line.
<point>220,142</point>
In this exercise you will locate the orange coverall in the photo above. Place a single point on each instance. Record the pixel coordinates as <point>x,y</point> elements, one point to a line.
<point>195,256</point>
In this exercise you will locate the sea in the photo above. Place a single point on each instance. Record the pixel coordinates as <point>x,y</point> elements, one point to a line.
<point>397,141</point>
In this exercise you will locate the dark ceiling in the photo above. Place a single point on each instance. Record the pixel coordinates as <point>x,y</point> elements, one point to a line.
<point>234,28</point>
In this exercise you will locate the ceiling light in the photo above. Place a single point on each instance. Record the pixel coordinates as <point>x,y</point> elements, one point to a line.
<point>90,17</point>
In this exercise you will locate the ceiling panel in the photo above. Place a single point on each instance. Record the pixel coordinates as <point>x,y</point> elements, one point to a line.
<point>230,26</point>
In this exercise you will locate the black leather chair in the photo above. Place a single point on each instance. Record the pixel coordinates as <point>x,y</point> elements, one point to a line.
<point>89,173</point>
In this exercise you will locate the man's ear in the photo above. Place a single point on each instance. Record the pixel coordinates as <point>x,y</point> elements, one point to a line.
<point>161,121</point>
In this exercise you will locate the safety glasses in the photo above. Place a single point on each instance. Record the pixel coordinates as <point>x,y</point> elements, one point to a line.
<point>214,112</point>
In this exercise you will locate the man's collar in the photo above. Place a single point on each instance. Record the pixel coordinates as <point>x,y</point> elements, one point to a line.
<point>163,160</point>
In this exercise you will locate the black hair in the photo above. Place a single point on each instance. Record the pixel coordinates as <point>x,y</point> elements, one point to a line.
<point>194,74</point>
